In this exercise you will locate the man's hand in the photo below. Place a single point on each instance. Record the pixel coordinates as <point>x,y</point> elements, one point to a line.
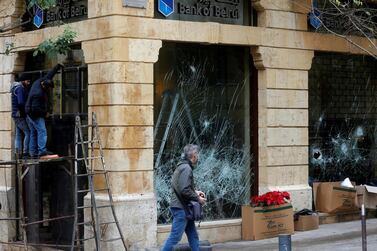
<point>200,194</point>
<point>202,200</point>
<point>201,197</point>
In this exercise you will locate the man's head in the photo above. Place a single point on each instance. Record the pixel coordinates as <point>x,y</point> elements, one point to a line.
<point>24,78</point>
<point>191,152</point>
<point>47,83</point>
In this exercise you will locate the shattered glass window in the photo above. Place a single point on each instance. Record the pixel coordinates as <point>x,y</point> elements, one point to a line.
<point>202,97</point>
<point>343,118</point>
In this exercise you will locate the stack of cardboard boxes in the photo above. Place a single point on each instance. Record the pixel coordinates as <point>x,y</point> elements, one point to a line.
<point>307,222</point>
<point>329,197</point>
<point>367,195</point>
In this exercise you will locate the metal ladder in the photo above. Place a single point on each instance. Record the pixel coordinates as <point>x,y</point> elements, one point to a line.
<point>83,145</point>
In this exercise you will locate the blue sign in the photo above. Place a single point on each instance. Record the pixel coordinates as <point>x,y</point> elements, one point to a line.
<point>166,7</point>
<point>315,19</point>
<point>38,18</point>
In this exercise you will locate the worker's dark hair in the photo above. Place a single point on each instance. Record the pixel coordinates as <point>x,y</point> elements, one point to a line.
<point>23,77</point>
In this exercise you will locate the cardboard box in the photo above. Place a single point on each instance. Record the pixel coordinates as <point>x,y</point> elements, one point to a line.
<point>368,195</point>
<point>307,222</point>
<point>266,222</point>
<point>330,197</point>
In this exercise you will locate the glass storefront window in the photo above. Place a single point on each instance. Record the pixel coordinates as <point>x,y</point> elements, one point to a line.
<point>343,118</point>
<point>202,97</point>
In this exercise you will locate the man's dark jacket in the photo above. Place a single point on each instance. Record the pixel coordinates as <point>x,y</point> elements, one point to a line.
<point>36,104</point>
<point>183,182</point>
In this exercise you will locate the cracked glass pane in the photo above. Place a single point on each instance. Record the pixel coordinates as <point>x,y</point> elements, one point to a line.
<point>202,97</point>
<point>343,118</point>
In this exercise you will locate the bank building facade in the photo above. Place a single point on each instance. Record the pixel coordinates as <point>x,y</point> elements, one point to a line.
<point>271,101</point>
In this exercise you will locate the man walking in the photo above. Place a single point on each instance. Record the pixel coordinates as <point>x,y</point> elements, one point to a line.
<point>183,184</point>
<point>19,93</point>
<point>36,110</point>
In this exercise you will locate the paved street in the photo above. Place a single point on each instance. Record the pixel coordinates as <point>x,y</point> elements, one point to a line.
<point>352,244</point>
<point>339,236</point>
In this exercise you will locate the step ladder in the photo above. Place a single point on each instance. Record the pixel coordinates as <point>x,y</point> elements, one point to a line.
<point>93,170</point>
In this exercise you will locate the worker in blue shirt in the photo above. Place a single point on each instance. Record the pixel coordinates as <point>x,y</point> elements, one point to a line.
<point>19,93</point>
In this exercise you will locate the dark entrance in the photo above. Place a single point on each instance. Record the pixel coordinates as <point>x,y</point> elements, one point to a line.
<point>48,189</point>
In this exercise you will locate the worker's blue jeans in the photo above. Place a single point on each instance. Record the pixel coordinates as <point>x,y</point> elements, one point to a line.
<point>38,135</point>
<point>180,225</point>
<point>22,128</point>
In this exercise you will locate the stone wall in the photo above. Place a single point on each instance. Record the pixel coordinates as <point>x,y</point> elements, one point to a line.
<point>120,92</point>
<point>283,105</point>
<point>10,10</point>
<point>283,122</point>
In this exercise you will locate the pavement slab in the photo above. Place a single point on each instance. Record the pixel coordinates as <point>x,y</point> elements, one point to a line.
<point>338,236</point>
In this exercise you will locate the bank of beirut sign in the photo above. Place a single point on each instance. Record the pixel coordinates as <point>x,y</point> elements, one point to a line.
<point>222,11</point>
<point>67,10</point>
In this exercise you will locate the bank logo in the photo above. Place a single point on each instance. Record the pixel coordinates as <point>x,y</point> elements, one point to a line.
<point>166,7</point>
<point>38,18</point>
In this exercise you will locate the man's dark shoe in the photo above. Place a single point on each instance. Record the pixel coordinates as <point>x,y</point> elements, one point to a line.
<point>25,156</point>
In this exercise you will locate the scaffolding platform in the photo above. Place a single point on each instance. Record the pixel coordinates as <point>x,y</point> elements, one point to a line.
<point>30,218</point>
<point>68,180</point>
<point>33,161</point>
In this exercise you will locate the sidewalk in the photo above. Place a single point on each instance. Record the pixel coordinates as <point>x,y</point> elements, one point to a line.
<point>338,236</point>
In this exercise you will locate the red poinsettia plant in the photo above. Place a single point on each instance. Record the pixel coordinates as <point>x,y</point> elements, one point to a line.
<point>270,198</point>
